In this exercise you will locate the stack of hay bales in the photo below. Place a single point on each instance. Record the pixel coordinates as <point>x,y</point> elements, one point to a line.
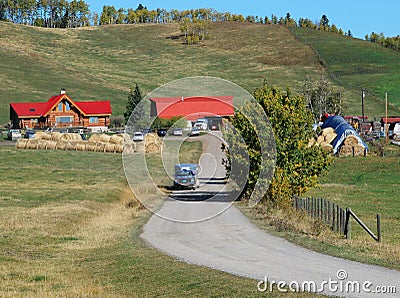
<point>351,147</point>
<point>73,141</point>
<point>324,139</point>
<point>152,143</point>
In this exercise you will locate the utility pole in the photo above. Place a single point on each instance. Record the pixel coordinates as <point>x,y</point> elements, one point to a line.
<point>362,103</point>
<point>386,119</point>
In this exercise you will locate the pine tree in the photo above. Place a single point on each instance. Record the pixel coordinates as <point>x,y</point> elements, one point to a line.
<point>134,98</point>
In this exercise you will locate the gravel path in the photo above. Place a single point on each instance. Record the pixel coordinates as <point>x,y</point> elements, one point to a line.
<point>228,241</point>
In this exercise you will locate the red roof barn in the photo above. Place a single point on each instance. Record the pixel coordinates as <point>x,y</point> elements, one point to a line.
<point>193,107</point>
<point>60,111</point>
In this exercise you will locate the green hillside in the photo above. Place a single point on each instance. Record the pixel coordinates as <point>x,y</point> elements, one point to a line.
<point>104,62</point>
<point>358,64</point>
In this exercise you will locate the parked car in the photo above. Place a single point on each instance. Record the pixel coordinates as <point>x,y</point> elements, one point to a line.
<point>138,136</point>
<point>29,134</point>
<point>14,134</point>
<point>146,131</point>
<point>194,132</point>
<point>177,132</point>
<point>161,132</point>
<point>201,124</point>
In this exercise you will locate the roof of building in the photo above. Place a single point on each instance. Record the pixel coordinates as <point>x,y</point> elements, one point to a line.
<point>38,109</point>
<point>194,107</point>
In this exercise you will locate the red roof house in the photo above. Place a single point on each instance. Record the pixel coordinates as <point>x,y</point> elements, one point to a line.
<point>193,107</point>
<point>60,111</point>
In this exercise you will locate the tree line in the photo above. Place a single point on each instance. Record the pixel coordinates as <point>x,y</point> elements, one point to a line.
<point>76,13</point>
<point>387,42</point>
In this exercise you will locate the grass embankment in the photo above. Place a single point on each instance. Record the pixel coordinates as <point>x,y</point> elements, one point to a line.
<point>367,185</point>
<point>65,230</point>
<point>359,64</point>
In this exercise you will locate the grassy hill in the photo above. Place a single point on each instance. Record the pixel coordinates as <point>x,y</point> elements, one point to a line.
<point>104,62</point>
<point>359,64</point>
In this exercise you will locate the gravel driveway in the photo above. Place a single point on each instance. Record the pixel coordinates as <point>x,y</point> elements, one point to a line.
<point>215,234</point>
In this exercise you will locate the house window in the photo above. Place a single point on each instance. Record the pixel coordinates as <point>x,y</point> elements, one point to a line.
<point>60,107</point>
<point>65,119</point>
<point>67,107</point>
<point>34,120</point>
<point>93,120</point>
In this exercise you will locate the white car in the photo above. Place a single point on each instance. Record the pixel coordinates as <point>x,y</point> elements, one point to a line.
<point>138,136</point>
<point>14,134</point>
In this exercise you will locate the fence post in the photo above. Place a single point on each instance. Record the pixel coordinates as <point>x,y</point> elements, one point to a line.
<point>378,226</point>
<point>337,219</point>
<point>333,216</point>
<point>348,224</point>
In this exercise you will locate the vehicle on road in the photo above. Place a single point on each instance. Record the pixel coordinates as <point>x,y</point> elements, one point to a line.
<point>138,136</point>
<point>186,176</point>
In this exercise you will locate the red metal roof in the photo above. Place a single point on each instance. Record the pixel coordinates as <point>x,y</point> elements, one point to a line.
<point>390,120</point>
<point>38,109</point>
<point>194,107</point>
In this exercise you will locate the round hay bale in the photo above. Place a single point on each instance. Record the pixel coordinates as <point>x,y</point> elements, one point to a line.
<point>42,135</point>
<point>119,148</point>
<point>61,145</point>
<point>117,139</point>
<point>327,147</point>
<point>100,146</point>
<point>95,138</point>
<point>90,146</point>
<point>80,146</point>
<point>21,143</point>
<point>346,151</point>
<point>71,137</point>
<point>330,137</point>
<point>104,138</point>
<point>351,141</point>
<point>150,138</point>
<point>320,139</point>
<point>32,144</point>
<point>56,136</point>
<point>327,131</point>
<point>51,145</point>
<point>129,148</point>
<point>154,147</point>
<point>127,138</point>
<point>109,147</point>
<point>358,150</point>
<point>42,144</point>
<point>71,145</point>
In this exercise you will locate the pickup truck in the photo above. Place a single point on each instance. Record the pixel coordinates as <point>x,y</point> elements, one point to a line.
<point>186,176</point>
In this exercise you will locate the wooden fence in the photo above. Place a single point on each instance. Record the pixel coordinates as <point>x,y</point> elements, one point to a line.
<point>337,218</point>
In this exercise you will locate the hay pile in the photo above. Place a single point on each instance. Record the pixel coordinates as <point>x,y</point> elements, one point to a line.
<point>152,143</point>
<point>324,139</point>
<point>73,141</point>
<point>351,147</point>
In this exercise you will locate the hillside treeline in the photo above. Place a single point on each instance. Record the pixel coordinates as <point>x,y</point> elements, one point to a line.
<point>76,13</point>
<point>387,42</point>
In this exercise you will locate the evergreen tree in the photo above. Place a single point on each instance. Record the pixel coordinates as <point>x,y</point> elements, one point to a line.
<point>134,98</point>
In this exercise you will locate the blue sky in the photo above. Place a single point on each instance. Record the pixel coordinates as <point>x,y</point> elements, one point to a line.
<point>360,16</point>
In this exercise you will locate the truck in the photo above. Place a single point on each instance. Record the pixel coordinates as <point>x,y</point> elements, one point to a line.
<point>201,124</point>
<point>186,176</point>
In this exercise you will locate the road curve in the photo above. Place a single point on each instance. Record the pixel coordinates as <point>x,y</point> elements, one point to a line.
<point>228,241</point>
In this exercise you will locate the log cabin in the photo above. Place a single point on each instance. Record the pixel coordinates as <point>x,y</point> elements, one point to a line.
<point>61,111</point>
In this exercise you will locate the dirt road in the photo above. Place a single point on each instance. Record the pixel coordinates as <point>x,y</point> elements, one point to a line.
<point>215,234</point>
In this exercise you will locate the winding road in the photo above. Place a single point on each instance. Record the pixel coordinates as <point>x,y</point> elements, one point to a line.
<point>202,227</point>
